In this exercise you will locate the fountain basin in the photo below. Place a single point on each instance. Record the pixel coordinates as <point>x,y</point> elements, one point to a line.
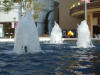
<point>54,60</point>
<point>47,39</point>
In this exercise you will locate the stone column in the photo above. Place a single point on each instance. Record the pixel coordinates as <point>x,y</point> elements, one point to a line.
<point>90,23</point>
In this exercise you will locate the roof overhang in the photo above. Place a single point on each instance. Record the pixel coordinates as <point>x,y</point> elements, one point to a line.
<point>91,7</point>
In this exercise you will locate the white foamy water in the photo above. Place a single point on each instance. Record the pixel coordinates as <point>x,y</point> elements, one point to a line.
<point>56,35</point>
<point>84,38</point>
<point>26,35</point>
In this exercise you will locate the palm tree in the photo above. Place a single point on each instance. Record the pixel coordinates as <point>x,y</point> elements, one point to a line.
<point>6,5</point>
<point>26,4</point>
<point>33,5</point>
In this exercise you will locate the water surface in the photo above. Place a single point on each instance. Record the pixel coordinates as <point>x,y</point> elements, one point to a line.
<point>64,59</point>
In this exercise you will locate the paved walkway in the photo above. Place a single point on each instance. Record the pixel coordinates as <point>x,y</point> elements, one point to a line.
<point>46,39</point>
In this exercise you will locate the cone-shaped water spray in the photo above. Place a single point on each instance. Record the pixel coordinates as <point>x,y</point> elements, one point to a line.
<point>26,39</point>
<point>56,35</point>
<point>84,38</point>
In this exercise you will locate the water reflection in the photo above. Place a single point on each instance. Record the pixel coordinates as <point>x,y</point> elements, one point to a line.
<point>55,60</point>
<point>96,62</point>
<point>82,62</point>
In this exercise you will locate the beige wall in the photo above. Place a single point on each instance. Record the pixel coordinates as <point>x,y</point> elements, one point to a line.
<point>70,22</point>
<point>56,13</point>
<point>95,20</point>
<point>66,21</point>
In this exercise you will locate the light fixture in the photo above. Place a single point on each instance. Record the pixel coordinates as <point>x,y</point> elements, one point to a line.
<point>78,3</point>
<point>73,5</point>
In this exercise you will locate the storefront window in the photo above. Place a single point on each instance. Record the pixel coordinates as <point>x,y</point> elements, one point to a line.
<point>99,20</point>
<point>1,30</point>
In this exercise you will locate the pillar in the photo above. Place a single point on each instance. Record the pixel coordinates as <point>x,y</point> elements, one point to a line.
<point>90,23</point>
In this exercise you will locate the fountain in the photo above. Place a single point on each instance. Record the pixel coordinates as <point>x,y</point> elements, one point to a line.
<point>26,35</point>
<point>84,39</point>
<point>56,35</point>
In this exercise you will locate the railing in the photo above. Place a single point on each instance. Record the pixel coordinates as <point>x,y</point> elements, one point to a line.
<point>80,3</point>
<point>94,0</point>
<point>77,6</point>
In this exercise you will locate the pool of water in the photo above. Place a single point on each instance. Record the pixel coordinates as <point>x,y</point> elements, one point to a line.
<point>64,59</point>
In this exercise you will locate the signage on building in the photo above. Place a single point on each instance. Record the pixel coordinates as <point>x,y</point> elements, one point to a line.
<point>16,24</point>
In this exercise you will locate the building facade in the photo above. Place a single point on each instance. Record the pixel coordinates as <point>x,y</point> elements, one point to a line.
<point>71,13</point>
<point>46,20</point>
<point>7,21</point>
<point>66,21</point>
<point>44,23</point>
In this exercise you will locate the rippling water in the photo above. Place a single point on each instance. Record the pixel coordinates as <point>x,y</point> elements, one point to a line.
<point>64,59</point>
